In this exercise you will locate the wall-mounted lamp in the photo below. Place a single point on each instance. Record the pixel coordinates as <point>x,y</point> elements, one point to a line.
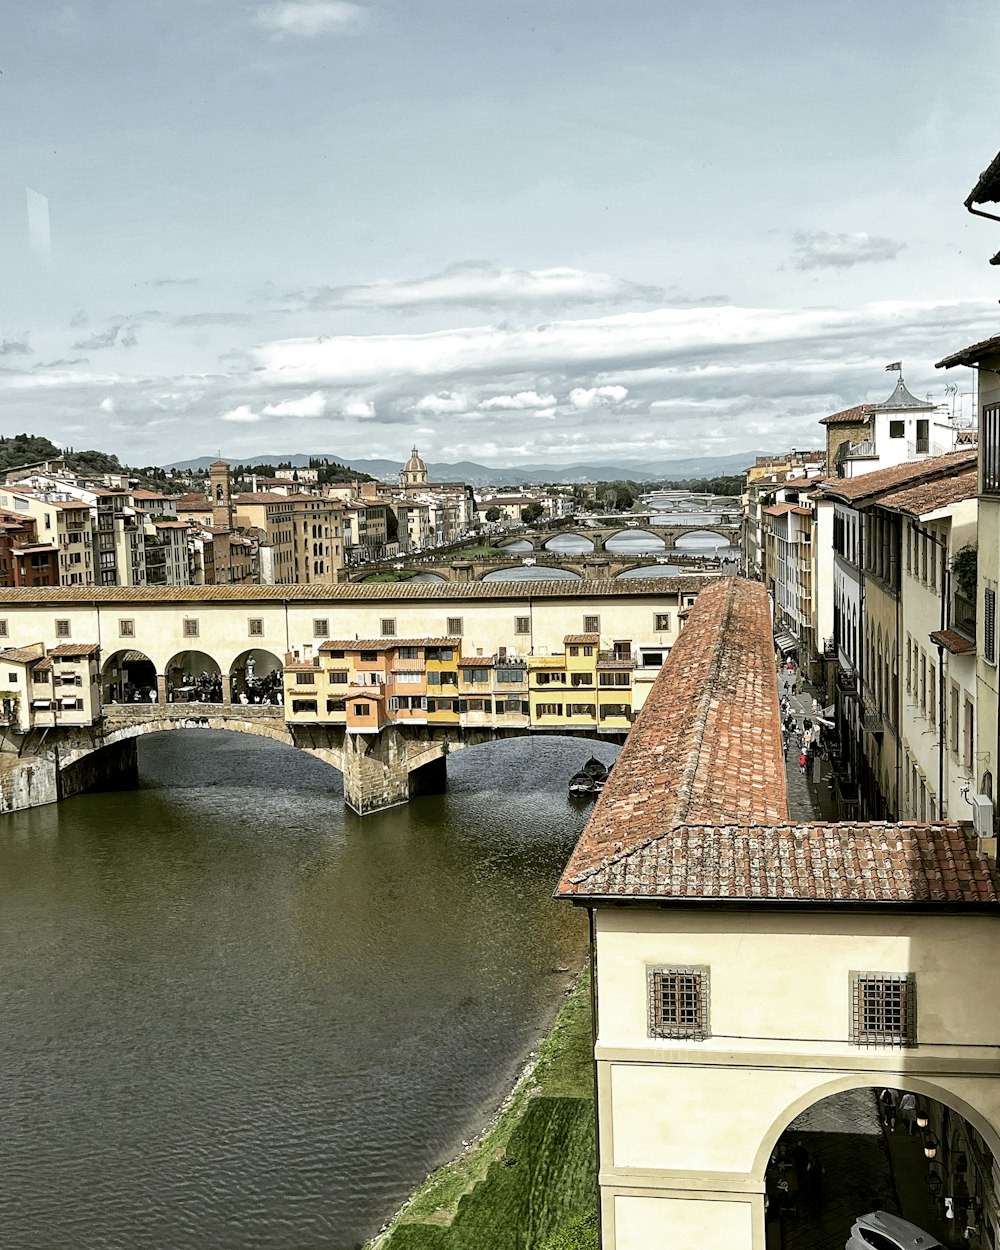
<point>922,1118</point>
<point>931,1144</point>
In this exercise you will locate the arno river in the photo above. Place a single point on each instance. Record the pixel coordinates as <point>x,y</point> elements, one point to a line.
<point>232,1015</point>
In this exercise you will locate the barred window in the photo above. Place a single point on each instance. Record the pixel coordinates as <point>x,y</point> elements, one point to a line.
<point>190,627</point>
<point>678,1003</point>
<point>321,627</point>
<point>455,626</point>
<point>4,630</point>
<point>388,627</point>
<point>62,629</point>
<point>255,627</point>
<point>522,624</point>
<point>883,1009</point>
<point>661,622</point>
<point>591,624</point>
<point>126,629</point>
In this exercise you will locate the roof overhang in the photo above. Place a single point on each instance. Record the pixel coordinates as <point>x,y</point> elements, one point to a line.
<point>972,355</point>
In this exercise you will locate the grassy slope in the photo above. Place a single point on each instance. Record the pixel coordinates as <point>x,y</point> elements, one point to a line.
<point>534,1168</point>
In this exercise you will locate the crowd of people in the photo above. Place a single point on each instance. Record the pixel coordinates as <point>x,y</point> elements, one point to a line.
<point>204,687</point>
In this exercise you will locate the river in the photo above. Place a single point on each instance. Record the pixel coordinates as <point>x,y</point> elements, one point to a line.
<point>236,1016</point>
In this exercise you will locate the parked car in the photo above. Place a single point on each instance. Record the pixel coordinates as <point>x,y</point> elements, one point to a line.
<point>882,1231</point>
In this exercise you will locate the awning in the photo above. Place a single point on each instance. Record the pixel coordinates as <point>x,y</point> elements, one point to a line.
<point>69,699</point>
<point>786,643</point>
<point>40,703</point>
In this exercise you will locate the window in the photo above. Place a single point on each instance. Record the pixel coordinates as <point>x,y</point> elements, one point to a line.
<point>968,734</point>
<point>678,1003</point>
<point>591,624</point>
<point>321,627</point>
<point>653,659</point>
<point>574,650</point>
<point>4,630</point>
<point>897,429</point>
<point>989,454</point>
<point>190,627</point>
<point>305,679</point>
<point>388,627</point>
<point>126,629</point>
<point>338,676</point>
<point>876,1240</point>
<point>409,679</point>
<point>454,626</point>
<point>409,653</point>
<point>362,709</point>
<point>303,705</point>
<point>580,709</point>
<point>368,657</point>
<point>549,709</point>
<point>883,1009</point>
<point>588,650</point>
<point>990,625</point>
<point>508,675</point>
<point>661,622</point>
<point>12,677</point>
<point>335,705</point>
<point>953,741</point>
<point>522,624</point>
<point>255,627</point>
<point>62,629</point>
<point>614,679</point>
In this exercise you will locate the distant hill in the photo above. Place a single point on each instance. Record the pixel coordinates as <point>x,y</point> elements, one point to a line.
<point>529,474</point>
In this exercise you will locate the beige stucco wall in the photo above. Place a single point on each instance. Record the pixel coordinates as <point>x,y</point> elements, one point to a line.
<point>686,1128</point>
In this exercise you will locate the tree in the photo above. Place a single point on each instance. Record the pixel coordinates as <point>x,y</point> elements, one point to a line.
<point>493,514</point>
<point>532,513</point>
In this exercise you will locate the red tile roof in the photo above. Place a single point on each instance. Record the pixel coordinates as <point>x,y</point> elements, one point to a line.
<point>910,473</point>
<point>386,644</point>
<point>584,640</point>
<point>780,509</point>
<point>973,354</point>
<point>850,416</point>
<point>929,496</point>
<point>68,649</point>
<point>953,641</point>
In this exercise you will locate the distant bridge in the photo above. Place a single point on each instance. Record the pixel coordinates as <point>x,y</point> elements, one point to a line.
<point>583,566</point>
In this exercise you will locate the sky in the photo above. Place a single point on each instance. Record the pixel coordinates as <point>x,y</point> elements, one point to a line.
<point>515,233</point>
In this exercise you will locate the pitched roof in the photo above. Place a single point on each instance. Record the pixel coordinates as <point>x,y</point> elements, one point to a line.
<point>953,641</point>
<point>780,509</point>
<point>987,188</point>
<point>386,644</point>
<point>68,649</point>
<point>586,640</point>
<point>971,355</point>
<point>23,655</point>
<point>707,743</point>
<point>902,398</point>
<point>850,416</point>
<point>927,497</point>
<point>868,485</point>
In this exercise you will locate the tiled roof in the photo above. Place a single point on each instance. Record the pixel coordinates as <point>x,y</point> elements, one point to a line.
<point>585,640</point>
<point>987,188</point>
<point>953,641</point>
<point>139,493</point>
<point>171,525</point>
<point>476,661</point>
<point>848,863</point>
<point>657,588</point>
<point>23,655</point>
<point>780,509</point>
<point>191,502</point>
<point>973,354</point>
<point>386,644</point>
<point>866,487</point>
<point>850,416</point>
<point>929,496</point>
<point>706,745</point>
<point>302,666</point>
<point>75,648</point>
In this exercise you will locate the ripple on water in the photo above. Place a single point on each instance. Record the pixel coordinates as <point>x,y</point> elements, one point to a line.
<point>235,1015</point>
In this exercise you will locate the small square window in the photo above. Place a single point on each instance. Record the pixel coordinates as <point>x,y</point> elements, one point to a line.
<point>661,622</point>
<point>678,1003</point>
<point>897,429</point>
<point>455,626</point>
<point>255,627</point>
<point>321,627</point>
<point>522,624</point>
<point>12,677</point>
<point>126,629</point>
<point>883,1009</point>
<point>362,709</point>
<point>591,624</point>
<point>190,627</point>
<point>4,630</point>
<point>62,629</point>
<point>388,627</point>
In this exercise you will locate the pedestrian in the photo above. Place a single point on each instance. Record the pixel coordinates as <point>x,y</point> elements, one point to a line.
<point>815,706</point>
<point>908,1112</point>
<point>887,1101</point>
<point>803,761</point>
<point>152,694</point>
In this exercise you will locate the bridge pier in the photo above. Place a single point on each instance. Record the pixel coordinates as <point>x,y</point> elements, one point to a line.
<point>380,772</point>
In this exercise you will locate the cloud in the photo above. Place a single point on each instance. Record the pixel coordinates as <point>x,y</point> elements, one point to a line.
<point>99,341</point>
<point>174,282</point>
<point>313,405</point>
<point>107,404</point>
<point>820,250</point>
<point>597,396</point>
<point>213,319</point>
<point>62,364</point>
<point>15,347</point>
<point>308,18</point>
<point>242,415</point>
<point>518,402</point>
<point>446,402</point>
<point>360,409</point>
<point>478,284</point>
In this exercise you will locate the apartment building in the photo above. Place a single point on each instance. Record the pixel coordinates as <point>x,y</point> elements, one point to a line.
<point>47,689</point>
<point>24,561</point>
<point>62,521</point>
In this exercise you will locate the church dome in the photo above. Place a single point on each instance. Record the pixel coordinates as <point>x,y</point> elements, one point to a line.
<point>414,464</point>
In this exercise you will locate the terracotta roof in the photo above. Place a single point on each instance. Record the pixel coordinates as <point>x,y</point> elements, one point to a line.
<point>139,493</point>
<point>171,525</point>
<point>23,655</point>
<point>780,509</point>
<point>655,588</point>
<point>476,661</point>
<point>929,496</point>
<point>707,743</point>
<point>973,354</point>
<point>864,488</point>
<point>803,483</point>
<point>75,648</point>
<point>300,666</point>
<point>987,188</point>
<point>190,502</point>
<point>262,496</point>
<point>584,640</point>
<point>387,644</point>
<point>953,641</point>
<point>848,863</point>
<point>850,416</point>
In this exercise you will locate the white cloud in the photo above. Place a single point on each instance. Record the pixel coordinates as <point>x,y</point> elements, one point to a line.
<point>477,283</point>
<point>359,408</point>
<point>446,402</point>
<point>520,401</point>
<point>243,415</point>
<point>309,18</point>
<point>821,250</point>
<point>107,404</point>
<point>313,405</point>
<point>594,396</point>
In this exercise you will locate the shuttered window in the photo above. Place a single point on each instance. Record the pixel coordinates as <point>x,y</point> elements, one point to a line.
<point>990,625</point>
<point>989,443</point>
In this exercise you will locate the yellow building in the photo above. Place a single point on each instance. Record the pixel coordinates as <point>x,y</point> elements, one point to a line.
<point>62,520</point>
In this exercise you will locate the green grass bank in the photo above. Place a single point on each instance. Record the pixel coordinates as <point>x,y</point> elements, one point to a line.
<point>529,1179</point>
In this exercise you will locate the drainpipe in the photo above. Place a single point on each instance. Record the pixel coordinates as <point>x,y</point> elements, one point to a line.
<point>597,1104</point>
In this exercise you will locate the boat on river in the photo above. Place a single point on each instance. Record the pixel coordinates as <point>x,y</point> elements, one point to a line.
<point>590,779</point>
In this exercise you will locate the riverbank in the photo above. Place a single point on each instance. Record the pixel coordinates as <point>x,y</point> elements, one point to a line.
<point>530,1174</point>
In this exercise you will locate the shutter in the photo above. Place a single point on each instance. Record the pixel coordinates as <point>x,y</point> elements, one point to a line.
<point>989,625</point>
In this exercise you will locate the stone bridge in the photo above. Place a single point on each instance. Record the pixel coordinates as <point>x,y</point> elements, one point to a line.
<point>600,535</point>
<point>583,566</point>
<point>379,770</point>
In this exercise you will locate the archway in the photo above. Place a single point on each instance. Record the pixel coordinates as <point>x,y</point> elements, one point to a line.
<point>569,544</point>
<point>193,677</point>
<point>255,677</point>
<point>705,542</point>
<point>634,541</point>
<point>531,573</point>
<point>127,677</point>
<point>908,1148</point>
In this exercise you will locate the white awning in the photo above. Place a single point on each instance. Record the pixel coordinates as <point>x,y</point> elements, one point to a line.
<point>40,703</point>
<point>786,643</point>
<point>69,699</point>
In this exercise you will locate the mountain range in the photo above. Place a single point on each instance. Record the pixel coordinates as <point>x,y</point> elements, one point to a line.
<point>527,474</point>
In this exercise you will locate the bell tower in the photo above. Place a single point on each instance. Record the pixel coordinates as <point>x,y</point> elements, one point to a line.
<point>220,495</point>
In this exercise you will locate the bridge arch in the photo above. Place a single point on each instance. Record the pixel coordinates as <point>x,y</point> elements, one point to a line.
<point>654,542</point>
<point>193,676</point>
<point>513,572</point>
<point>590,546</point>
<point>256,673</point>
<point>125,672</point>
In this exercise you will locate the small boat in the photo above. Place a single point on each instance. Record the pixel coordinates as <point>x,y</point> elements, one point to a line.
<point>594,768</point>
<point>583,783</point>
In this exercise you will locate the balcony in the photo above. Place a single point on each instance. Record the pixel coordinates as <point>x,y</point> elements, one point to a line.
<point>864,450</point>
<point>963,615</point>
<point>616,659</point>
<point>847,681</point>
<point>829,648</point>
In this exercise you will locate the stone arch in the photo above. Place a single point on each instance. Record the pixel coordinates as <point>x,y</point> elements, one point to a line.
<point>564,573</point>
<point>186,672</point>
<point>590,541</point>
<point>659,540</point>
<point>255,672</point>
<point>125,671</point>
<point>948,1097</point>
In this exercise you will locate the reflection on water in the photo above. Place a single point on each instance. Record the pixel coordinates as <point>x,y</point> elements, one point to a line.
<point>569,544</point>
<point>654,570</point>
<point>635,541</point>
<point>531,573</point>
<point>428,577</point>
<point>521,544</point>
<point>236,1016</point>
